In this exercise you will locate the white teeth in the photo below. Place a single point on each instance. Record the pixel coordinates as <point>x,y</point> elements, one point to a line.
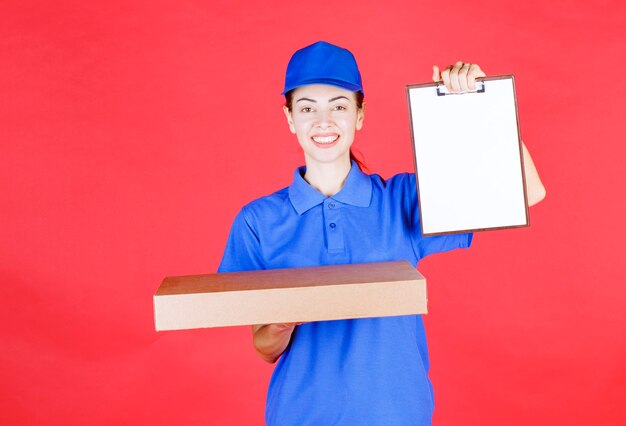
<point>325,139</point>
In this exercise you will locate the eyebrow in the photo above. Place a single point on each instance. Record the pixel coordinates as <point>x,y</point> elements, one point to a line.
<point>330,100</point>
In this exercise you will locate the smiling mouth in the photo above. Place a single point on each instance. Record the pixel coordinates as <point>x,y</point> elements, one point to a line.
<point>325,140</point>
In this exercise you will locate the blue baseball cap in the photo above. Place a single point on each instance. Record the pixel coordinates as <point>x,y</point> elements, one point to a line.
<point>323,63</point>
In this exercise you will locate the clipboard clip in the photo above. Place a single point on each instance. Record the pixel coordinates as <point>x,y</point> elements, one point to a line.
<point>443,91</point>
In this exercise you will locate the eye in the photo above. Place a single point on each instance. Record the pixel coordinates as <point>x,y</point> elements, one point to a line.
<point>306,109</point>
<point>340,108</point>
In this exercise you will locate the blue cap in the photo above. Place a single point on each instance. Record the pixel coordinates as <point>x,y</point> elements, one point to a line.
<point>323,63</point>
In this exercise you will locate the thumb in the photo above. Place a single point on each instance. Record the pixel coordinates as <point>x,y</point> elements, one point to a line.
<point>436,74</point>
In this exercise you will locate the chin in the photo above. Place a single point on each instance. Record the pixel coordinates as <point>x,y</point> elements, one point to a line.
<point>329,159</point>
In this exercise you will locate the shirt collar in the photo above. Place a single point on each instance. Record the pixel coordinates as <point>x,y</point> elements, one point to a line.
<point>356,191</point>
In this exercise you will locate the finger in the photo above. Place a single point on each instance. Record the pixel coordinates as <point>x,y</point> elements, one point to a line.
<point>474,73</point>
<point>436,74</point>
<point>445,75</point>
<point>463,77</point>
<point>284,326</point>
<point>454,77</point>
<point>477,71</point>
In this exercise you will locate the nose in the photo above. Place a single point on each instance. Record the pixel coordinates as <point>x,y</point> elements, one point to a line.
<point>324,119</point>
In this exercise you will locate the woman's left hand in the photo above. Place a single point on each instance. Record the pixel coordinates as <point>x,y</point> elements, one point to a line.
<point>460,77</point>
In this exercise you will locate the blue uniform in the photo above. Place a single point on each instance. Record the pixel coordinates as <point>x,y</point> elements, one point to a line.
<point>350,372</point>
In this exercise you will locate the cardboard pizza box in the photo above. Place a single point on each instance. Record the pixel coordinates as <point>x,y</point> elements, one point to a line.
<point>290,295</point>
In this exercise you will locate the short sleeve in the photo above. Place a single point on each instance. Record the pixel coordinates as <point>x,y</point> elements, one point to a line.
<point>243,249</point>
<point>442,243</point>
<point>424,246</point>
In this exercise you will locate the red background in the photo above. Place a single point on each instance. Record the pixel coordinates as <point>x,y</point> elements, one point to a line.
<point>132,133</point>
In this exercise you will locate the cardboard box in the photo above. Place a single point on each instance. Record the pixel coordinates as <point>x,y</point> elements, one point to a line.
<point>290,295</point>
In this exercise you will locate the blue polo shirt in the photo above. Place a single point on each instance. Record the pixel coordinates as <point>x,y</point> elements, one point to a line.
<point>370,371</point>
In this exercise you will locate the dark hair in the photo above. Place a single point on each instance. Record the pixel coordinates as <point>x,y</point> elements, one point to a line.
<point>359,104</point>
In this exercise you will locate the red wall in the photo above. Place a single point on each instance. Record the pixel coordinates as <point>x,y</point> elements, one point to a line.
<point>132,134</point>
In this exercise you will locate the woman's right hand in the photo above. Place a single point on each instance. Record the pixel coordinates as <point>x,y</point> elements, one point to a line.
<point>271,340</point>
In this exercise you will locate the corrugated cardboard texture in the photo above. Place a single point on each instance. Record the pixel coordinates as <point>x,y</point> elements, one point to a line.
<point>290,295</point>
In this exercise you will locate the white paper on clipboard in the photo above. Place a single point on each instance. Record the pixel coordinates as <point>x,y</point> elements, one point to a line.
<point>468,157</point>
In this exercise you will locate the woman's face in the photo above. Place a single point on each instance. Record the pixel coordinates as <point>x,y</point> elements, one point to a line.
<point>324,119</point>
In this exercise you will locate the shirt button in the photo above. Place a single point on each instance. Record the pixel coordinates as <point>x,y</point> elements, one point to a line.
<point>332,225</point>
<point>331,205</point>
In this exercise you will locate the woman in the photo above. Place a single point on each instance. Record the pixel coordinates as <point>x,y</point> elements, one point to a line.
<point>352,372</point>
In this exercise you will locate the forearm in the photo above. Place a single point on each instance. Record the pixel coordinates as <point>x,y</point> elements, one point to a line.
<point>271,340</point>
<point>534,188</point>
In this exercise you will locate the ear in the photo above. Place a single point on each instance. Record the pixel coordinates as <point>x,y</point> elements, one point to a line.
<point>289,119</point>
<point>360,116</point>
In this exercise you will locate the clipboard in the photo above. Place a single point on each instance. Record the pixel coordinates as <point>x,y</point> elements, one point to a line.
<point>468,157</point>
